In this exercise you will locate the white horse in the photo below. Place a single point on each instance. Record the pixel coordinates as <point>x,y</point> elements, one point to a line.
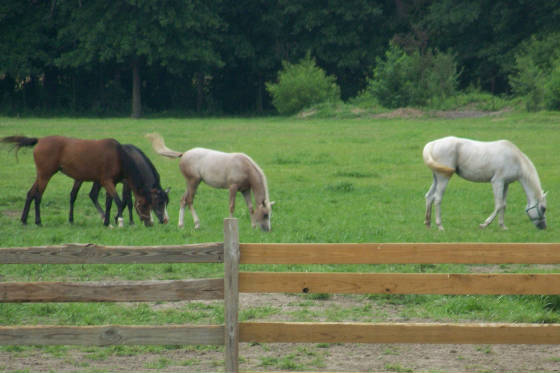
<point>498,162</point>
<point>233,171</point>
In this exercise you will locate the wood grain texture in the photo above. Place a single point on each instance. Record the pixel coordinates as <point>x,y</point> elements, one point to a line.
<point>400,253</point>
<point>231,298</point>
<point>112,335</point>
<point>98,254</point>
<point>398,283</point>
<point>116,291</point>
<point>487,333</point>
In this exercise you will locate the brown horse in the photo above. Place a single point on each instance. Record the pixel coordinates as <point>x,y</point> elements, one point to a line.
<point>102,161</point>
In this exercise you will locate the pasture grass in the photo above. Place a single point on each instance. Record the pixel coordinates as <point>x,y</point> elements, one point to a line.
<point>333,180</point>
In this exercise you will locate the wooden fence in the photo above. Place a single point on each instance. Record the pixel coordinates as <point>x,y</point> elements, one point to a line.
<point>233,253</point>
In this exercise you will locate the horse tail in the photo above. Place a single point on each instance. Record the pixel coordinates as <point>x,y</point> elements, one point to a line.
<point>133,174</point>
<point>159,146</point>
<point>433,164</point>
<point>20,141</point>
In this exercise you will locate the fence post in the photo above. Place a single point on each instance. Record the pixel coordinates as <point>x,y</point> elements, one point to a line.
<point>231,294</point>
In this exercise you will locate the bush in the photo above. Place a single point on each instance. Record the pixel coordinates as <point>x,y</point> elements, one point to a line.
<point>552,89</point>
<point>302,85</point>
<point>416,79</point>
<point>536,75</point>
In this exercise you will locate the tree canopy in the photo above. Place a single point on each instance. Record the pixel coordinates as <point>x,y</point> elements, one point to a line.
<point>134,56</point>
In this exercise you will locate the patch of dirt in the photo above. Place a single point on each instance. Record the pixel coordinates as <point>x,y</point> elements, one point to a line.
<point>11,213</point>
<point>401,113</point>
<point>305,114</point>
<point>447,114</point>
<point>302,357</point>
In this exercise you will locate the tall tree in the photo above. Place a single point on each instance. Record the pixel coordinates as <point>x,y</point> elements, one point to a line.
<point>139,33</point>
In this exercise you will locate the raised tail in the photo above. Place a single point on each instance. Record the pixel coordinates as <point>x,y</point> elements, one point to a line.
<point>433,164</point>
<point>159,146</point>
<point>20,141</point>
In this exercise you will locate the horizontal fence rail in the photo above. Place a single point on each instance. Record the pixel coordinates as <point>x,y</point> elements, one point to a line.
<point>484,333</point>
<point>399,283</point>
<point>400,253</point>
<point>232,253</point>
<point>97,254</point>
<point>115,291</point>
<point>112,335</point>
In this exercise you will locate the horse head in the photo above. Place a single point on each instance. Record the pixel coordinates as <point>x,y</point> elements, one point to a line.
<point>537,212</point>
<point>143,209</point>
<point>261,215</point>
<point>160,199</point>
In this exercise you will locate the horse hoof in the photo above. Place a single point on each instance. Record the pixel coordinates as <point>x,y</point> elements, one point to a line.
<point>121,222</point>
<point>440,228</point>
<point>180,225</point>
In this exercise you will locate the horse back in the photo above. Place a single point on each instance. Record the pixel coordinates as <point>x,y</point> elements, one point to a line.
<point>215,168</point>
<point>88,160</point>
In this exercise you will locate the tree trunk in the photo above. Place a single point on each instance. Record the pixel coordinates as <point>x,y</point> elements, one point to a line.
<point>199,91</point>
<point>136,93</point>
<point>260,85</point>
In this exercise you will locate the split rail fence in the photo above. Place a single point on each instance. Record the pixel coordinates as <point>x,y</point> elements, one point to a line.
<point>233,253</point>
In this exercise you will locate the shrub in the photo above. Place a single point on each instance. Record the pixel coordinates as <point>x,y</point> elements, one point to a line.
<point>535,75</point>
<point>403,79</point>
<point>302,85</point>
<point>552,89</point>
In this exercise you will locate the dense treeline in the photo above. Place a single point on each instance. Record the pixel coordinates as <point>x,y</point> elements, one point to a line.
<point>216,56</point>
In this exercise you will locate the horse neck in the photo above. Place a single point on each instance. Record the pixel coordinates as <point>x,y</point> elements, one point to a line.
<point>530,181</point>
<point>258,182</point>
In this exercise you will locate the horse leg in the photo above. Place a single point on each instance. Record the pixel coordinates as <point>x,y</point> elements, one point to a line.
<point>94,196</point>
<point>30,197</point>
<point>73,195</point>
<point>108,204</point>
<point>498,189</point>
<point>112,192</point>
<point>188,199</point>
<point>429,202</point>
<point>232,194</point>
<point>34,194</point>
<point>441,184</point>
<point>249,201</point>
<point>503,211</point>
<point>127,200</point>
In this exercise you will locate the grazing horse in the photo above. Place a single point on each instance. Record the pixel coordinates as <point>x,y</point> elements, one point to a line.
<point>157,198</point>
<point>498,162</point>
<point>233,171</point>
<point>103,161</point>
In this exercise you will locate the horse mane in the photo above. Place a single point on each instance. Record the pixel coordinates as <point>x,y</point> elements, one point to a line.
<point>261,175</point>
<point>133,173</point>
<point>530,173</point>
<point>149,163</point>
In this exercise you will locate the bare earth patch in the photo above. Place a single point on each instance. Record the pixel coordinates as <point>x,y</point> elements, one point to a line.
<point>302,357</point>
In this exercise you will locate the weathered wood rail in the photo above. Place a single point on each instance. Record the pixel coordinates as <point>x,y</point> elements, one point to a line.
<point>233,253</point>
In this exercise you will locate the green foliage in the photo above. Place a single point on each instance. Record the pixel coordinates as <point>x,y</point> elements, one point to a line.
<point>552,88</point>
<point>415,79</point>
<point>536,75</point>
<point>302,85</point>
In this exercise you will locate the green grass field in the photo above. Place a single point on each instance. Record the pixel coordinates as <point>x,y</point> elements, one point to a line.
<point>347,180</point>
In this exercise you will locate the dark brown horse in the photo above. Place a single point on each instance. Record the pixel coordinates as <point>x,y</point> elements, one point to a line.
<point>149,180</point>
<point>102,161</point>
